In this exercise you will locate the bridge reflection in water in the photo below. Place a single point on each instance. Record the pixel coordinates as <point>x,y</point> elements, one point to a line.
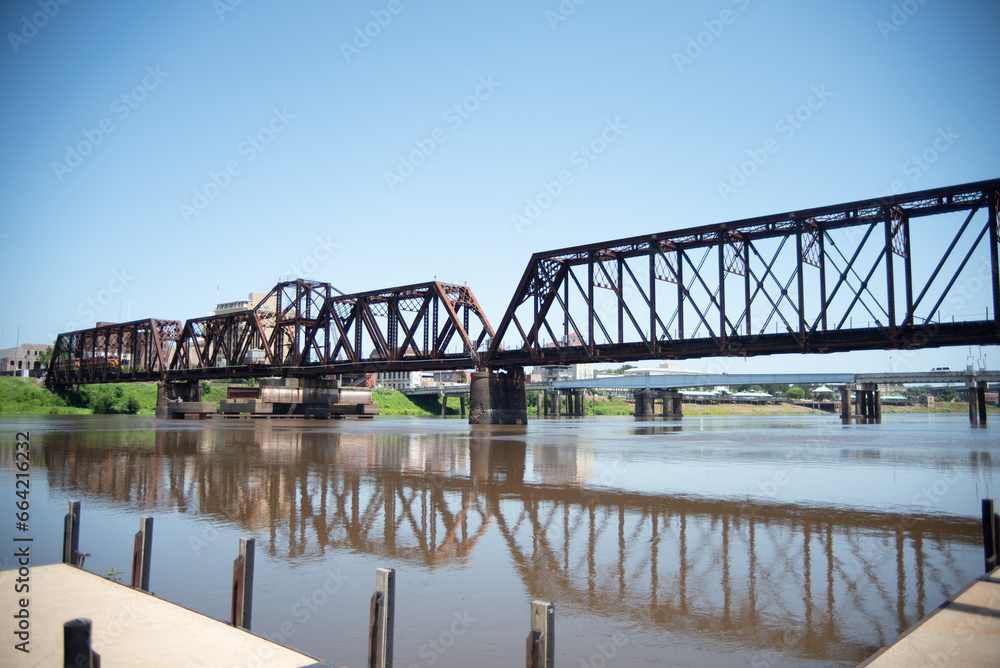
<point>822,583</point>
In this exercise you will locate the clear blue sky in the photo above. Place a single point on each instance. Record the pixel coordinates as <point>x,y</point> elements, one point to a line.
<point>300,116</point>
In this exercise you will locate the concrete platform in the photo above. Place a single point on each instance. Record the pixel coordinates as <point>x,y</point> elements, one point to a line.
<point>130,628</point>
<point>964,631</point>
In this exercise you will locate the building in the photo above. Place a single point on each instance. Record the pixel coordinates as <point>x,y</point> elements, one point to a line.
<point>248,304</point>
<point>567,372</point>
<point>23,360</point>
<point>399,380</point>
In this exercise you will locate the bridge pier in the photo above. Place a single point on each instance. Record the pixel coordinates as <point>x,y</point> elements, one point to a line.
<point>497,396</point>
<point>845,405</point>
<point>867,403</point>
<point>188,391</point>
<point>977,403</point>
<point>645,403</point>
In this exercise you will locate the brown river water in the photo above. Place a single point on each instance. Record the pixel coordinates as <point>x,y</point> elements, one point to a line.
<point>709,541</point>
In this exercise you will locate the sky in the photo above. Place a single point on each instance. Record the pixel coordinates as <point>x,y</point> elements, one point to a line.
<point>162,156</point>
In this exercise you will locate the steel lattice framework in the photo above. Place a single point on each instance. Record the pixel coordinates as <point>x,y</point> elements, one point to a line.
<point>131,351</point>
<point>300,328</point>
<point>910,271</point>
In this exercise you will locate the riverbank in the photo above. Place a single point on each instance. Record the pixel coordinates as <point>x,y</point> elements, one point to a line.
<point>23,396</point>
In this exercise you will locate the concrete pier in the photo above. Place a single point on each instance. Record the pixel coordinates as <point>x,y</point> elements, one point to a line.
<point>497,396</point>
<point>977,403</point>
<point>645,403</point>
<point>575,403</point>
<point>130,628</point>
<point>182,400</point>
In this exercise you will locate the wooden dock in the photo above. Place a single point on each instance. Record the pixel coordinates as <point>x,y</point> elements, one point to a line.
<point>963,631</point>
<point>130,627</point>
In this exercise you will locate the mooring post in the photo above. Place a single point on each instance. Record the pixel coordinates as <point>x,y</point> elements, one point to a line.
<point>541,642</point>
<point>444,403</point>
<point>877,405</point>
<point>71,535</point>
<point>141,554</point>
<point>991,533</point>
<point>76,644</point>
<point>243,584</point>
<point>381,621</point>
<point>845,405</point>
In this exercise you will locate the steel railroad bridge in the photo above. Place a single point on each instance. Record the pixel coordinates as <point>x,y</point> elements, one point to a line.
<point>904,272</point>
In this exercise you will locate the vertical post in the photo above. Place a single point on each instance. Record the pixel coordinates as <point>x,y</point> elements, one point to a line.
<point>243,584</point>
<point>76,644</point>
<point>583,403</point>
<point>141,554</point>
<point>541,639</point>
<point>382,617</point>
<point>444,403</point>
<point>991,541</point>
<point>981,400</point>
<point>461,405</point>
<point>972,403</point>
<point>845,405</point>
<point>71,535</point>
<point>995,256</point>
<point>877,405</point>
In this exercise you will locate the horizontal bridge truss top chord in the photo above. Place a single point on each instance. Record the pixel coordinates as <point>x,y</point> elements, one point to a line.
<point>908,271</point>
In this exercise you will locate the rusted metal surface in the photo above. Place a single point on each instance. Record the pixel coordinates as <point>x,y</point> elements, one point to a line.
<point>835,278</point>
<point>308,331</point>
<point>138,350</point>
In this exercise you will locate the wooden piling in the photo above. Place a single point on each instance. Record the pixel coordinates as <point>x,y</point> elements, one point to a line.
<point>383,613</point>
<point>77,651</point>
<point>541,645</point>
<point>991,534</point>
<point>242,605</point>
<point>141,554</point>
<point>71,535</point>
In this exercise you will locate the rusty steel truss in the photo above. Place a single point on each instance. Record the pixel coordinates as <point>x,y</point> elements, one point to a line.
<point>909,271</point>
<point>301,328</point>
<point>130,351</point>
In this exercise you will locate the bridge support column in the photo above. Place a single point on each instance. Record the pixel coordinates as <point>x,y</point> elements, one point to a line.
<point>640,403</point>
<point>166,392</point>
<point>672,406</point>
<point>498,397</point>
<point>583,403</point>
<point>543,404</point>
<point>977,403</point>
<point>869,405</point>
<point>845,405</point>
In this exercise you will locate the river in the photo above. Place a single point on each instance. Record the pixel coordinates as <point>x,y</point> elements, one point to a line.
<point>709,541</point>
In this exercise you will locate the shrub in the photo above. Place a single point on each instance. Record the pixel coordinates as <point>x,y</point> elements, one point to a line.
<point>132,405</point>
<point>104,404</point>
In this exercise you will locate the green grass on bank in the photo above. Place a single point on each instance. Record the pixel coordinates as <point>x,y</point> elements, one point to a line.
<point>22,396</point>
